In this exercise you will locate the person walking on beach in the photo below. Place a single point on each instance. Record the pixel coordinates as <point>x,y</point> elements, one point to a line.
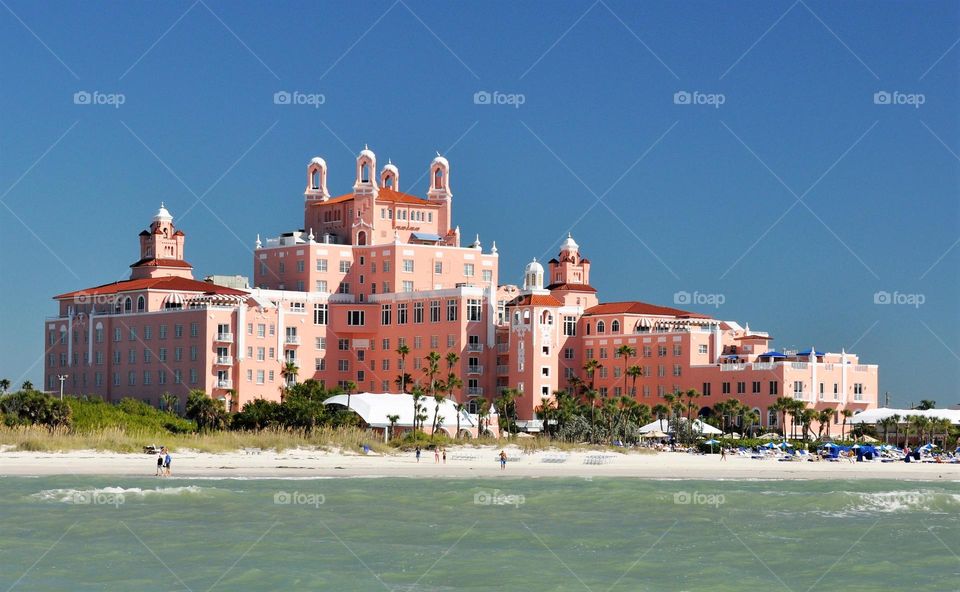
<point>159,465</point>
<point>166,462</point>
<point>444,453</point>
<point>723,453</point>
<point>503,460</point>
<point>417,452</point>
<point>436,455</point>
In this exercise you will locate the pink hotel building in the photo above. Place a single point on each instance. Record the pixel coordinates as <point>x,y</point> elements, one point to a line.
<point>377,268</point>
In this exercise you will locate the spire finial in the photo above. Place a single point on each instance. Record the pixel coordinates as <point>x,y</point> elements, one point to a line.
<point>258,243</point>
<point>365,147</point>
<point>438,153</point>
<point>493,249</point>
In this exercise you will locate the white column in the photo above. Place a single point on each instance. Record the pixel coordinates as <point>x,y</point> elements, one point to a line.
<point>70,340</point>
<point>813,375</point>
<point>241,330</point>
<point>843,376</point>
<point>716,343</point>
<point>281,331</point>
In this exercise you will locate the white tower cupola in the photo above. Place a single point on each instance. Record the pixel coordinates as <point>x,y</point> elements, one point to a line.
<point>390,176</point>
<point>317,180</point>
<point>366,182</point>
<point>533,276</point>
<point>439,179</point>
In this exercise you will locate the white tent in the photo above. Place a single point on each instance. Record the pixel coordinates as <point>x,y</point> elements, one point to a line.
<point>662,425</point>
<point>374,408</point>
<point>871,416</point>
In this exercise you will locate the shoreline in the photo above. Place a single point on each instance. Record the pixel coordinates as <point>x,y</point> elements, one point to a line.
<point>463,462</point>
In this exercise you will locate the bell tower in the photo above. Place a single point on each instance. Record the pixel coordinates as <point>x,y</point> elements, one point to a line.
<point>161,249</point>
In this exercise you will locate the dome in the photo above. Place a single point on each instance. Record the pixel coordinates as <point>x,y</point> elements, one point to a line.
<point>570,244</point>
<point>391,167</point>
<point>533,267</point>
<point>162,215</point>
<point>318,160</point>
<point>441,161</point>
<point>368,153</point>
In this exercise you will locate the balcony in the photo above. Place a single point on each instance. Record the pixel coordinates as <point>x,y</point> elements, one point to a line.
<point>503,370</point>
<point>225,337</point>
<point>474,347</point>
<point>293,340</point>
<point>503,348</point>
<point>294,361</point>
<point>225,384</point>
<point>225,360</point>
<point>474,369</point>
<point>732,367</point>
<point>475,391</point>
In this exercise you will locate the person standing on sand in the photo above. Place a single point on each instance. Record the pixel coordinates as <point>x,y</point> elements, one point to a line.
<point>723,453</point>
<point>417,452</point>
<point>444,452</point>
<point>166,462</point>
<point>436,455</point>
<point>503,460</point>
<point>159,465</point>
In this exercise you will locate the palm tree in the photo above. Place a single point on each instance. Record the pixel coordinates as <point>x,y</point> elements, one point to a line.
<point>824,416</point>
<point>847,414</point>
<point>459,407</point>
<point>626,352</point>
<point>288,372</point>
<point>417,396</point>
<point>402,380</point>
<point>403,351</point>
<point>590,367</point>
<point>349,386</point>
<point>661,411</point>
<point>896,428</point>
<point>576,384</point>
<point>807,417</point>
<point>926,404</point>
<point>4,385</point>
<point>634,372</point>
<point>393,419</point>
<point>782,406</point>
<point>26,386</point>
<point>169,402</point>
<point>432,369</point>
<point>483,415</point>
<point>545,411</point>
<point>752,418</point>
<point>691,395</point>
<point>438,400</point>
<point>591,397</point>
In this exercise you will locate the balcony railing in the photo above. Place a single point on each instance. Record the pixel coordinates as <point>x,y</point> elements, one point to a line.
<point>475,347</point>
<point>474,369</point>
<point>225,360</point>
<point>503,370</point>
<point>503,348</point>
<point>225,384</point>
<point>293,340</point>
<point>475,391</point>
<point>732,367</point>
<point>799,365</point>
<point>228,337</point>
<point>764,365</point>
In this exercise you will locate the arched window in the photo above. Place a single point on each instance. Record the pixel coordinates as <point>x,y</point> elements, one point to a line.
<point>128,304</point>
<point>615,327</point>
<point>772,417</point>
<point>438,178</point>
<point>601,327</point>
<point>588,329</point>
<point>526,317</point>
<point>315,179</point>
<point>388,181</point>
<point>362,237</point>
<point>365,173</point>
<point>141,304</point>
<point>546,318</point>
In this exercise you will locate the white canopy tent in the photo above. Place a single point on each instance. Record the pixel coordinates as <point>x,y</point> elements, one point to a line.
<point>662,425</point>
<point>875,415</point>
<point>374,409</point>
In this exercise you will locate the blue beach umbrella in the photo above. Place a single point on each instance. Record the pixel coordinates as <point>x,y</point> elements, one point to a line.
<point>711,442</point>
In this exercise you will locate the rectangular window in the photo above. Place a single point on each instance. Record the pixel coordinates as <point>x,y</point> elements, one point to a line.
<point>194,329</point>
<point>569,326</point>
<point>676,369</point>
<point>261,354</point>
<point>408,265</point>
<point>163,331</point>
<point>677,349</point>
<point>603,353</point>
<point>320,312</point>
<point>417,312</point>
<point>344,267</point>
<point>343,365</point>
<point>261,330</point>
<point>355,318</point>
<point>487,276</point>
<point>178,331</point>
<point>343,288</point>
<point>774,387</point>
<point>474,309</point>
<point>702,348</point>
<point>741,388</point>
<point>343,344</point>
<point>661,351</point>
<point>148,332</point>
<point>755,387</point>
<point>260,375</point>
<point>321,285</point>
<point>385,314</point>
<point>568,353</point>
<point>434,311</point>
<point>725,388</point>
<point>451,310</point>
<point>407,286</point>
<point>402,313</point>
<point>320,343</point>
<point>178,353</point>
<point>321,266</point>
<point>437,267</point>
<point>468,269</point>
<point>647,352</point>
<point>706,389</point>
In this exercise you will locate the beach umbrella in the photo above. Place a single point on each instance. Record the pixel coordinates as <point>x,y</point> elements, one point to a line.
<point>711,442</point>
<point>855,446</point>
<point>769,445</point>
<point>785,445</point>
<point>830,445</point>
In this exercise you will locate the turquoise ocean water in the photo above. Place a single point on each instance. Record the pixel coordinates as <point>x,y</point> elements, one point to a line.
<point>109,533</point>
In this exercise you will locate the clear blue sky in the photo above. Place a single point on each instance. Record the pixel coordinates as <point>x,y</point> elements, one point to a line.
<point>878,184</point>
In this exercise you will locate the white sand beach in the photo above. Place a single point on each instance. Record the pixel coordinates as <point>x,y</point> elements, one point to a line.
<point>462,462</point>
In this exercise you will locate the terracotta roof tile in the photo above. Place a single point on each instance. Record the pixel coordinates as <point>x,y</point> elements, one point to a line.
<point>153,262</point>
<point>572,287</point>
<point>634,307</point>
<point>537,300</point>
<point>384,194</point>
<point>160,283</point>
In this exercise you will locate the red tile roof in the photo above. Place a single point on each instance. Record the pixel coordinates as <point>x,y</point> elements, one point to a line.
<point>154,262</point>
<point>641,308</point>
<point>173,283</point>
<point>384,194</point>
<point>572,287</point>
<point>754,336</point>
<point>537,300</point>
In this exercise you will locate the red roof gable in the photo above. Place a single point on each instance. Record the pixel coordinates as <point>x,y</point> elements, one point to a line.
<point>384,194</point>
<point>537,300</point>
<point>154,262</point>
<point>572,287</point>
<point>173,283</point>
<point>641,308</point>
